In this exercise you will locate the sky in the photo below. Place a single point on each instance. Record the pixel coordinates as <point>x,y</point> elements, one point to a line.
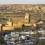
<point>22,1</point>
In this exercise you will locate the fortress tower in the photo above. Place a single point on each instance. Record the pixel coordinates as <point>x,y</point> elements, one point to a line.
<point>27,18</point>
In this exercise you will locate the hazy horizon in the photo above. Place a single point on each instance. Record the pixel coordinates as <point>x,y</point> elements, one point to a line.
<point>22,1</point>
